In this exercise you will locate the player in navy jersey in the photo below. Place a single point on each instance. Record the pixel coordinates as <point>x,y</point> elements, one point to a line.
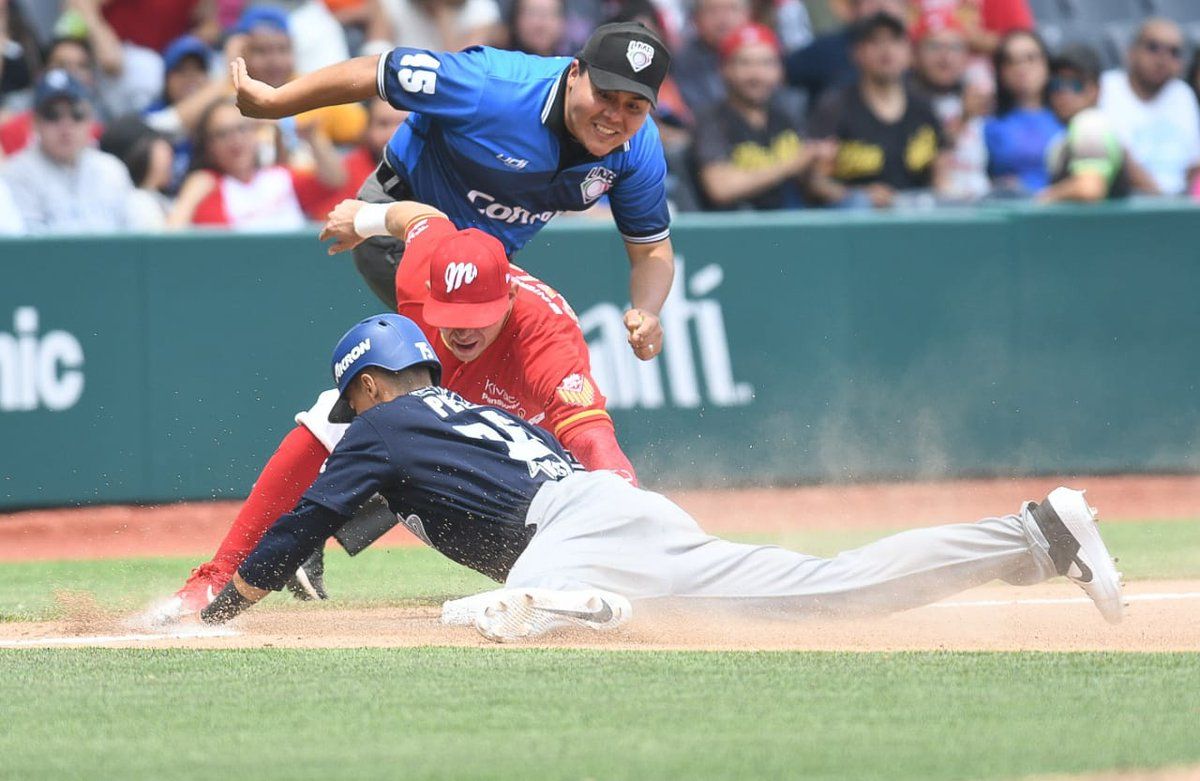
<point>503,141</point>
<point>496,494</point>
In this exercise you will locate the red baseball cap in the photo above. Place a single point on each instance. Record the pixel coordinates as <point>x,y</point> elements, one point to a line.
<point>468,281</point>
<point>747,35</point>
<point>934,22</point>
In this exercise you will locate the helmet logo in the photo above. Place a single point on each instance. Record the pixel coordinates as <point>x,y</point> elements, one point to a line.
<point>459,274</point>
<point>356,352</point>
<point>426,351</point>
<point>640,55</point>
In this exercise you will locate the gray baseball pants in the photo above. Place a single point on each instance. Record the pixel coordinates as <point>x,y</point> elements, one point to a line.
<point>378,257</point>
<point>594,530</point>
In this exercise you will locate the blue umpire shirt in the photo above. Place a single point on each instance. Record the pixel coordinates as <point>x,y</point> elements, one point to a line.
<point>460,476</point>
<point>487,144</point>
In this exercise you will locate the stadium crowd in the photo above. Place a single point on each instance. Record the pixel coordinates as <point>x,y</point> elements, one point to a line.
<point>117,115</point>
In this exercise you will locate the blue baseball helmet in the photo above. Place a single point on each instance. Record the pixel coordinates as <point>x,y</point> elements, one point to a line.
<point>388,341</point>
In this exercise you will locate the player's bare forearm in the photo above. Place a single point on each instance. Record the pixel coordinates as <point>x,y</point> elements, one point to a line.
<point>350,81</point>
<point>651,271</point>
<point>351,222</point>
<point>402,214</point>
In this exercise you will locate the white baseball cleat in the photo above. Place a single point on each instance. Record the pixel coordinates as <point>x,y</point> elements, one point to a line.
<point>1078,552</point>
<point>463,612</point>
<point>518,613</point>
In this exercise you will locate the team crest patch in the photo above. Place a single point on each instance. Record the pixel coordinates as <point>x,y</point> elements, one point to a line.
<point>640,55</point>
<point>598,181</point>
<point>575,389</point>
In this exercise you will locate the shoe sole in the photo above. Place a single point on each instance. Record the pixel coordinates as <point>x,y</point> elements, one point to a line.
<point>1078,518</point>
<point>462,612</point>
<point>517,614</point>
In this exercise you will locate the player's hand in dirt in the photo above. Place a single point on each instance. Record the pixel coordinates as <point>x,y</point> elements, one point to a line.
<point>339,226</point>
<point>254,97</point>
<point>645,333</point>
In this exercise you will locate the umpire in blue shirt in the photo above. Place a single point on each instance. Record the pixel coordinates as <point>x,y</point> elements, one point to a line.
<point>502,141</point>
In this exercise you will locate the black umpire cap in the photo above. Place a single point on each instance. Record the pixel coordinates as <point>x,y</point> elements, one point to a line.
<point>626,57</point>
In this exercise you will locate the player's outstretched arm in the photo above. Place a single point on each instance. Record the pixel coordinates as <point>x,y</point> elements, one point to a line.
<point>350,81</point>
<point>351,222</point>
<point>651,270</point>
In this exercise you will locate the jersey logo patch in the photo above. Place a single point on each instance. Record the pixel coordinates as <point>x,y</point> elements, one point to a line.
<point>459,274</point>
<point>576,390</point>
<point>640,55</point>
<point>598,181</point>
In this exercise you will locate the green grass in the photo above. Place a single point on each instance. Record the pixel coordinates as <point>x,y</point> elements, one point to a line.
<point>534,713</point>
<point>1154,549</point>
<point>469,713</point>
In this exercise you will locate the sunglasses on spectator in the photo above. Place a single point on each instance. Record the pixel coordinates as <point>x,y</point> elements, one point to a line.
<point>1059,84</point>
<point>222,133</point>
<point>78,113</point>
<point>1023,58</point>
<point>1174,51</point>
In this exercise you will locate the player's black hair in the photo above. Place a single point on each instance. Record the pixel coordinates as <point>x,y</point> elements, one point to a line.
<point>412,376</point>
<point>1006,101</point>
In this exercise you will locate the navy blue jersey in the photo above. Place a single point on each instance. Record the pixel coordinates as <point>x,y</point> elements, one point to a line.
<point>461,475</point>
<point>486,144</point>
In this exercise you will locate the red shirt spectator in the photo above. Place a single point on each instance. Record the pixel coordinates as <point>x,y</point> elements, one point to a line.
<point>150,23</point>
<point>230,188</point>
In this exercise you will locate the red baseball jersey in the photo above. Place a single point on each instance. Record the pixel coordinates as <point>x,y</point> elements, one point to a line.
<point>538,367</point>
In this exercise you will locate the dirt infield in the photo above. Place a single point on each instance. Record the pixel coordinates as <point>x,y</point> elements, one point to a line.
<point>194,529</point>
<point>1051,617</point>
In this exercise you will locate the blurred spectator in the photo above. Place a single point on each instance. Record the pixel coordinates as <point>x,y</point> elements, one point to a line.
<point>827,61</point>
<point>960,99</point>
<point>61,184</point>
<point>67,54</point>
<point>889,139</point>
<point>1193,74</point>
<point>749,151</point>
<point>11,223</point>
<point>15,71</point>
<point>128,76</point>
<point>985,22</point>
<point>788,19</point>
<point>155,23</point>
<point>318,39</point>
<point>697,68</point>
<point>1086,162</point>
<point>1018,136</point>
<point>187,91</point>
<point>147,156</point>
<point>438,25</point>
<point>228,186</point>
<point>1152,111</point>
<point>537,27</point>
<point>269,58</point>
<point>362,161</point>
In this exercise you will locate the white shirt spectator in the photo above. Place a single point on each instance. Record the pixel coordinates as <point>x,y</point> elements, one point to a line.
<point>1163,133</point>
<point>91,196</point>
<point>412,26</point>
<point>317,37</point>
<point>11,223</point>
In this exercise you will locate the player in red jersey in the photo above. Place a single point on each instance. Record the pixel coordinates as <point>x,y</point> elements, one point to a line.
<point>504,338</point>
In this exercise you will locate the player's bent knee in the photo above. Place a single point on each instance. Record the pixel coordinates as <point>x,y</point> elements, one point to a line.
<point>316,420</point>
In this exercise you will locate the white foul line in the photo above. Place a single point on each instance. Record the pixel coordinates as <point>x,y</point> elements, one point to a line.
<point>1068,600</point>
<point>134,638</point>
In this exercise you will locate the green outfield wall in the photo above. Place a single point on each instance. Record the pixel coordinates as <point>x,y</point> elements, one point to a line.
<point>805,347</point>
